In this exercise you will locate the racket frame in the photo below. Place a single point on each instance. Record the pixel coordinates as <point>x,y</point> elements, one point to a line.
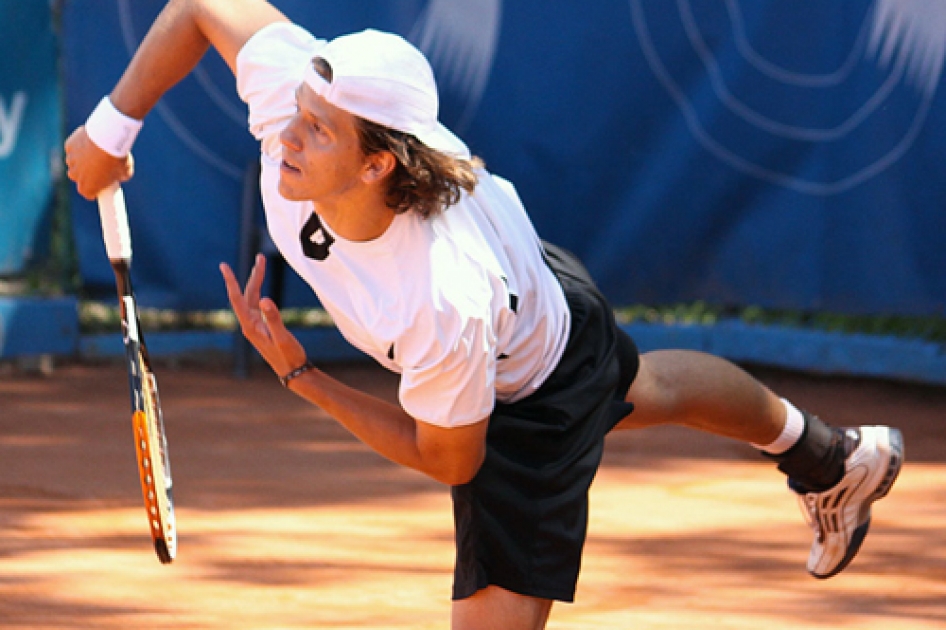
<point>151,450</point>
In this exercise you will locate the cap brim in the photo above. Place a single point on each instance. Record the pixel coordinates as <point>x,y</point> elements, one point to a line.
<point>442,139</point>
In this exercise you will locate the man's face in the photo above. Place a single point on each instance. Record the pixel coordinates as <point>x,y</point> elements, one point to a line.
<point>322,158</point>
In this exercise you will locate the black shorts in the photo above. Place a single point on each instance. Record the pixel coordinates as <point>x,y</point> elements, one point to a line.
<point>521,522</point>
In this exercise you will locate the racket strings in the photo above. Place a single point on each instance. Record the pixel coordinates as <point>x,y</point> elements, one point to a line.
<point>155,465</point>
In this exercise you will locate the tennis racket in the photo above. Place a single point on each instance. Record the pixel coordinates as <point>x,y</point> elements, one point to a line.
<point>154,467</point>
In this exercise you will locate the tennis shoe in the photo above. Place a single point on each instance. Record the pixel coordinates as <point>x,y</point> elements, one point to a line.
<point>840,516</point>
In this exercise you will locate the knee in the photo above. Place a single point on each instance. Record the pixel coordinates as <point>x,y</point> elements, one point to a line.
<point>498,609</point>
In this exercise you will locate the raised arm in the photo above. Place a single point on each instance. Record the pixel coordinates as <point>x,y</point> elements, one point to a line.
<point>178,39</point>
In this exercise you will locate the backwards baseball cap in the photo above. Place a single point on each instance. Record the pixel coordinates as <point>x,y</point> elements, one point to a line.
<point>383,78</point>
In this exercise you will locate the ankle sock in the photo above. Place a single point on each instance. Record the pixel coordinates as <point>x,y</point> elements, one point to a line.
<point>791,432</point>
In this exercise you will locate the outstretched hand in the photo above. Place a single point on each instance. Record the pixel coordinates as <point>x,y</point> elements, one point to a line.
<point>260,320</point>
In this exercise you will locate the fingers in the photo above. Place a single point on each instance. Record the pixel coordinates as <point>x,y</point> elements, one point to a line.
<point>254,284</point>
<point>246,304</point>
<point>273,320</point>
<point>291,352</point>
<point>261,321</point>
<point>238,301</point>
<point>91,168</point>
<point>76,148</point>
<point>233,287</point>
<point>128,168</point>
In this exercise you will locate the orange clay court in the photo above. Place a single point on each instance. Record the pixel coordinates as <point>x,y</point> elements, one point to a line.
<point>287,522</point>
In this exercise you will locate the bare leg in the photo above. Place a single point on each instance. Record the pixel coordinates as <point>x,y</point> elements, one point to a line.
<point>703,392</point>
<point>708,393</point>
<point>495,608</point>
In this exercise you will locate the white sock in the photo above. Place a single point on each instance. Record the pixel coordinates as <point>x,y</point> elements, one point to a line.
<point>791,432</point>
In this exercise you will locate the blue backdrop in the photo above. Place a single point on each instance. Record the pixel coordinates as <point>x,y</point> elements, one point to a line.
<point>782,154</point>
<point>30,130</point>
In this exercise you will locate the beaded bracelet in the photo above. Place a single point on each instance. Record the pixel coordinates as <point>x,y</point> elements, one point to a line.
<point>299,371</point>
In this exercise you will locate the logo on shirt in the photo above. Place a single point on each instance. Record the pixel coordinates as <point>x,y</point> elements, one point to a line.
<point>315,240</point>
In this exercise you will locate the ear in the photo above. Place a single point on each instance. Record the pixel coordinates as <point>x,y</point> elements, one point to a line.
<point>378,166</point>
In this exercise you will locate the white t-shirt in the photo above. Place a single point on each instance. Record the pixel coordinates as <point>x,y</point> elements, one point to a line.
<point>462,305</point>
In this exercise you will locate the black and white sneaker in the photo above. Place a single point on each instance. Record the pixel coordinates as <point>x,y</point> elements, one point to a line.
<point>840,516</point>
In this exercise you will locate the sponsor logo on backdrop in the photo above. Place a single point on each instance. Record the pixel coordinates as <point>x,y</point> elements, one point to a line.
<point>11,121</point>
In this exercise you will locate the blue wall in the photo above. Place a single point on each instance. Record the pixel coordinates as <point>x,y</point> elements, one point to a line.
<point>780,154</point>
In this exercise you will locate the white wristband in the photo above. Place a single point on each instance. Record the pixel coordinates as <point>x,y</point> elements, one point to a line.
<point>111,130</point>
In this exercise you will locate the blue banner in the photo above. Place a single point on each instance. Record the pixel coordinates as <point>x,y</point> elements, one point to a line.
<point>767,153</point>
<point>30,130</point>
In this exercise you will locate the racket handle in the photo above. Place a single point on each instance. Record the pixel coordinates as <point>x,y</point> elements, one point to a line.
<point>115,223</point>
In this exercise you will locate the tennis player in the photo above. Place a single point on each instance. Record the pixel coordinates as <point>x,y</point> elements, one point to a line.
<point>512,370</point>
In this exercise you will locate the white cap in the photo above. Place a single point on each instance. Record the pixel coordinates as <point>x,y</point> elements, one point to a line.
<point>381,77</point>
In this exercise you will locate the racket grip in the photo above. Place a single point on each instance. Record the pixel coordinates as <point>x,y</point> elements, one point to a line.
<point>115,223</point>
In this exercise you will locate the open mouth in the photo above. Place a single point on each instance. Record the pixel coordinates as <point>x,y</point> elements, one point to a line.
<point>286,167</point>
